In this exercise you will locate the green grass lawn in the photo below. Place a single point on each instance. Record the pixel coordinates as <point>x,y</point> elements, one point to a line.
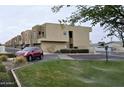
<point>6,79</point>
<point>72,74</point>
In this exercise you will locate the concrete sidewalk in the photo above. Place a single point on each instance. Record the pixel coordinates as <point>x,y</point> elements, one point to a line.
<point>64,56</point>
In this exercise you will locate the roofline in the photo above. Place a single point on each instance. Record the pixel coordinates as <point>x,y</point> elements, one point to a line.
<point>67,25</point>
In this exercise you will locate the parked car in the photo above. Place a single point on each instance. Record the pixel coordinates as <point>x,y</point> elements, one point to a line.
<point>31,53</point>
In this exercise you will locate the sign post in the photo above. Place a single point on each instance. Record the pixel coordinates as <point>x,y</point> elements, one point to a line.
<point>106,50</point>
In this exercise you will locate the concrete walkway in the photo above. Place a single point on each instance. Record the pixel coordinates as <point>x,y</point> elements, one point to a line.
<point>64,56</point>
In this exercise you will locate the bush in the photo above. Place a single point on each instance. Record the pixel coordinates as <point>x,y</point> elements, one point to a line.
<point>2,68</point>
<point>74,51</point>
<point>9,55</point>
<point>3,58</point>
<point>58,51</point>
<point>4,77</point>
<point>20,60</point>
<point>5,80</point>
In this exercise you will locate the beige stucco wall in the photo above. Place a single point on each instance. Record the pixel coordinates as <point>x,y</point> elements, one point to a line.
<point>81,39</point>
<point>26,36</point>
<point>52,46</point>
<point>80,36</point>
<point>35,30</point>
<point>55,32</point>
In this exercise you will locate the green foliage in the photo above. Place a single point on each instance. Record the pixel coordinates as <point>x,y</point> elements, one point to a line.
<point>72,73</point>
<point>6,79</point>
<point>111,17</point>
<point>20,60</point>
<point>4,76</point>
<point>103,14</point>
<point>2,68</point>
<point>74,51</point>
<point>3,58</point>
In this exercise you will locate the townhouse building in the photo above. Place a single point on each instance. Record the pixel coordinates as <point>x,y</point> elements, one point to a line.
<point>14,42</point>
<point>52,37</point>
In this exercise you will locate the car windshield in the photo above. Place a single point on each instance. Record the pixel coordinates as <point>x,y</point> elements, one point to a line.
<point>28,49</point>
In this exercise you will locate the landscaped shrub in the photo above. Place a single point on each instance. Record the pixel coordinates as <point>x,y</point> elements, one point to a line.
<point>58,51</point>
<point>74,51</point>
<point>4,76</point>
<point>4,79</point>
<point>2,68</point>
<point>0,61</point>
<point>20,60</point>
<point>3,58</point>
<point>7,80</point>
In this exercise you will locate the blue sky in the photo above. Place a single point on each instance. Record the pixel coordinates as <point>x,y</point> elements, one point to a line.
<point>15,19</point>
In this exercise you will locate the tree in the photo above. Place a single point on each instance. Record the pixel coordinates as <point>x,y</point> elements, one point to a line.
<point>111,17</point>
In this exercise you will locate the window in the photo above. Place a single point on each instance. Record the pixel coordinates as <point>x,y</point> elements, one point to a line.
<point>43,34</point>
<point>39,33</point>
<point>65,33</point>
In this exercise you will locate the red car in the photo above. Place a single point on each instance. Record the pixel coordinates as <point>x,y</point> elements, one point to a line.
<point>30,53</point>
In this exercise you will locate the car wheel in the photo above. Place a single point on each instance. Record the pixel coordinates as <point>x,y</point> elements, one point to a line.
<point>30,58</point>
<point>41,57</point>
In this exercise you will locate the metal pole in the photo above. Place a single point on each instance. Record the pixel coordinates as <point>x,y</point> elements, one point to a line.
<point>106,55</point>
<point>106,49</point>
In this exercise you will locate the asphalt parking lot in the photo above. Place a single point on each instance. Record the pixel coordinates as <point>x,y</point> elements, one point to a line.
<point>85,56</point>
<point>50,56</point>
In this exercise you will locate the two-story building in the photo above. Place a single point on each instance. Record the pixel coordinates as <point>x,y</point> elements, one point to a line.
<point>52,37</point>
<point>26,37</point>
<point>14,42</point>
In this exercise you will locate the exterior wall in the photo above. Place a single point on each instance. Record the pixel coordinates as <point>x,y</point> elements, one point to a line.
<point>35,30</point>
<point>37,33</point>
<point>8,43</point>
<point>18,41</point>
<point>14,42</point>
<point>80,36</point>
<point>26,37</point>
<point>52,46</point>
<point>81,39</point>
<point>55,32</point>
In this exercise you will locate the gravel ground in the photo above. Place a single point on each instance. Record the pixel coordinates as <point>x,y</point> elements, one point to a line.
<point>9,65</point>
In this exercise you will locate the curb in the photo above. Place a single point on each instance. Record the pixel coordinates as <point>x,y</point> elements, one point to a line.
<point>16,79</point>
<point>117,55</point>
